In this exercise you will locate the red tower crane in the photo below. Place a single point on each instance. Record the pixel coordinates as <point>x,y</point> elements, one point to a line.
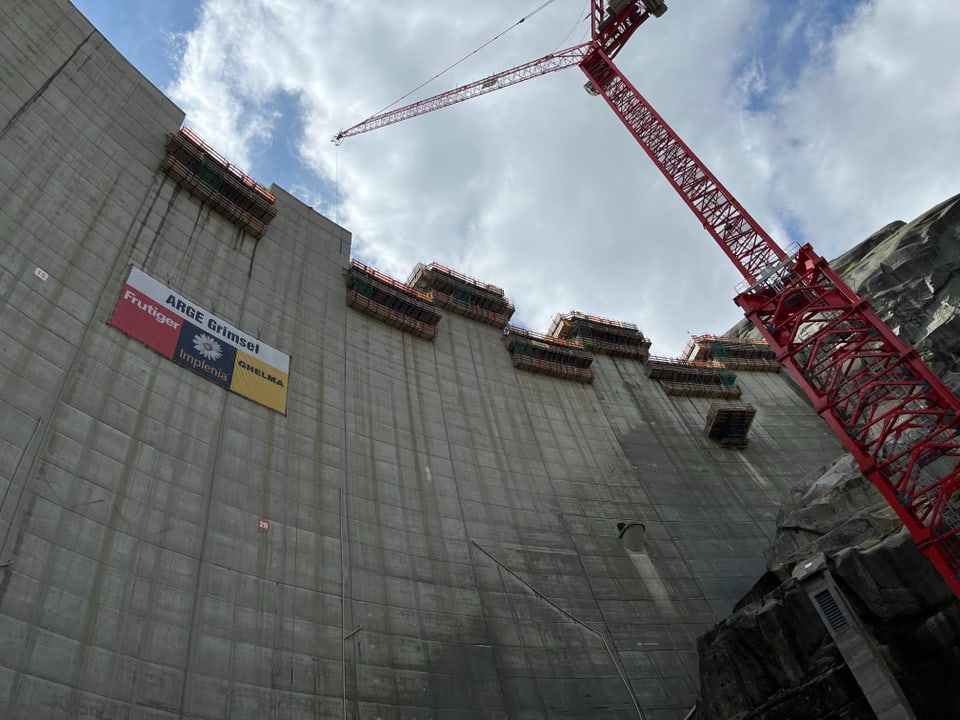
<point>888,408</point>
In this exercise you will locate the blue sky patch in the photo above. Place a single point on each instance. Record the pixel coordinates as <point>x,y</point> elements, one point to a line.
<point>144,31</point>
<point>793,35</point>
<point>278,158</point>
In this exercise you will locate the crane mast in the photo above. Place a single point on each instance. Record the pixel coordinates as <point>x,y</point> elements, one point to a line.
<point>888,408</point>
<point>894,415</point>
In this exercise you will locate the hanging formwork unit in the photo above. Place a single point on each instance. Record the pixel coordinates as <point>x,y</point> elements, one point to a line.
<point>380,296</point>
<point>602,335</point>
<point>693,378</point>
<point>734,353</point>
<point>207,175</point>
<point>462,294</point>
<point>548,355</point>
<point>729,424</point>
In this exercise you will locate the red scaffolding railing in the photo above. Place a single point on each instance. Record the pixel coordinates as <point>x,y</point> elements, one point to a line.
<point>228,166</point>
<point>367,270</point>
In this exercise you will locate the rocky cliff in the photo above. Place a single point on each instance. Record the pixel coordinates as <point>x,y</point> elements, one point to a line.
<point>773,659</point>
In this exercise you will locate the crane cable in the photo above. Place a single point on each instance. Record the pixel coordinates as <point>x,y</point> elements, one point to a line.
<point>566,37</point>
<point>468,55</point>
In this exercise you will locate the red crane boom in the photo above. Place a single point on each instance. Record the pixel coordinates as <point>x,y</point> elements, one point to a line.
<point>559,60</point>
<point>888,408</point>
<point>609,33</point>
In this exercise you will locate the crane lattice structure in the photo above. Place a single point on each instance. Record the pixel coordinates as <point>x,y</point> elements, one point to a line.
<point>896,417</point>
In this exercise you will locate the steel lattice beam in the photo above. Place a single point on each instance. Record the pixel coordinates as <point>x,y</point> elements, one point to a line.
<point>547,64</point>
<point>609,33</point>
<point>742,239</point>
<point>891,411</point>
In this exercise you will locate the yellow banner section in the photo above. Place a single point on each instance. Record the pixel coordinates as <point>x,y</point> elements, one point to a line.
<point>260,382</point>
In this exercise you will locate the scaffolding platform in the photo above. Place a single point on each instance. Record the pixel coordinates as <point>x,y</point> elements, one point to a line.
<point>734,353</point>
<point>688,389</point>
<point>710,372</point>
<point>209,177</point>
<point>729,424</point>
<point>693,378</point>
<point>751,364</point>
<point>548,355</point>
<point>462,294</point>
<point>602,335</point>
<point>383,298</point>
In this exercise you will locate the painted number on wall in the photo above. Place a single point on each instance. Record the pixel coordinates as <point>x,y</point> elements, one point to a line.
<point>263,525</point>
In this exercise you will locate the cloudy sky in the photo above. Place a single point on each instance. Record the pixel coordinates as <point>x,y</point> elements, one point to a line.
<point>827,120</point>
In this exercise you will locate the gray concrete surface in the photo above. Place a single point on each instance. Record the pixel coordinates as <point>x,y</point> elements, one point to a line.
<point>460,515</point>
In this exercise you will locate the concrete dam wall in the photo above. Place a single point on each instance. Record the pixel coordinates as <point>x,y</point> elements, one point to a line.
<point>427,532</point>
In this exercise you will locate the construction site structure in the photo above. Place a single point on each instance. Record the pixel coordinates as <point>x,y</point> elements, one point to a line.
<point>380,296</point>
<point>735,353</point>
<point>208,176</point>
<point>729,424</point>
<point>462,294</point>
<point>894,415</point>
<point>602,335</point>
<point>693,378</point>
<point>538,353</point>
<point>399,543</point>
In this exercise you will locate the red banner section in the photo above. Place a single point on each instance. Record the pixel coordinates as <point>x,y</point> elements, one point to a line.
<point>148,321</point>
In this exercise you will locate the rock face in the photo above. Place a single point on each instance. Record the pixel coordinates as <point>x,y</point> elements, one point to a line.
<point>911,276</point>
<point>773,658</point>
<point>839,508</point>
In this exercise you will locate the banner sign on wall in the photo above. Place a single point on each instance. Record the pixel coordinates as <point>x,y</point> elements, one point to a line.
<point>196,339</point>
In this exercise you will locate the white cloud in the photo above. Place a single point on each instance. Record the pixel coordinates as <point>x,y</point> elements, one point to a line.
<point>866,136</point>
<point>538,188</point>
